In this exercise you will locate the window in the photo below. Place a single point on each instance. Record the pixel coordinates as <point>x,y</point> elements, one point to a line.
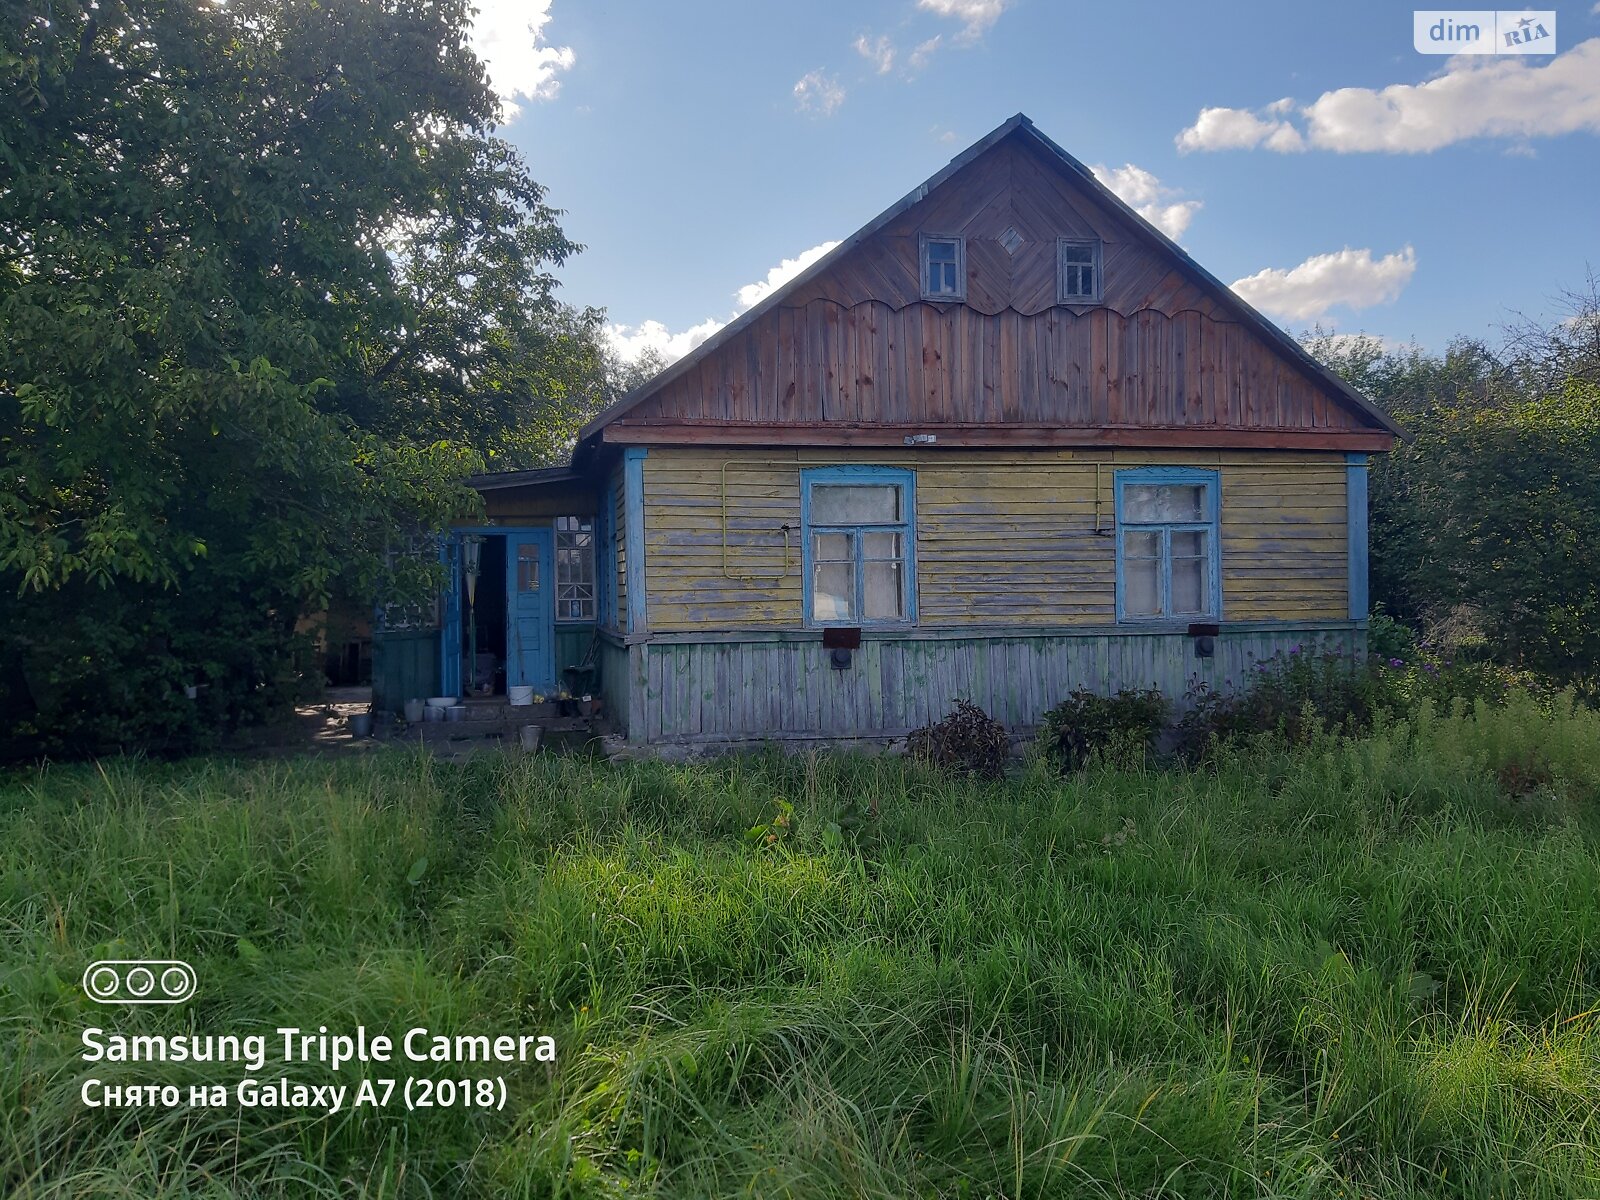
<point>1167,553</point>
<point>528,567</point>
<point>944,268</point>
<point>1078,270</point>
<point>860,552</point>
<point>575,589</point>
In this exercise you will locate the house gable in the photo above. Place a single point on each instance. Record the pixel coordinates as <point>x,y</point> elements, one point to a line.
<point>850,352</point>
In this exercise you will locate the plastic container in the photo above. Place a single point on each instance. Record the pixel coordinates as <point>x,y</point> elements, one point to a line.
<point>441,701</point>
<point>456,712</point>
<point>414,710</point>
<point>519,696</point>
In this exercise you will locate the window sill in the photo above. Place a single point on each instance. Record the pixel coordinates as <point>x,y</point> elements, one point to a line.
<point>865,627</point>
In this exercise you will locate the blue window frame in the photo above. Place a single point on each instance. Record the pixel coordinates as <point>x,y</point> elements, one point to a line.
<point>858,530</point>
<point>1169,565</point>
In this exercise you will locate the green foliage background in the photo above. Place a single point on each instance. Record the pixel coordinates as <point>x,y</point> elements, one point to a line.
<point>1485,526</point>
<point>270,287</point>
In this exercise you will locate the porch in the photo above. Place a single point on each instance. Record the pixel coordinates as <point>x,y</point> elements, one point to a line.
<point>513,638</point>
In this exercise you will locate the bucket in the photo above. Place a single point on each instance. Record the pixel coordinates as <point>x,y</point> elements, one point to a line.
<point>456,712</point>
<point>360,725</point>
<point>414,710</point>
<point>519,696</point>
<point>529,736</point>
<point>433,713</point>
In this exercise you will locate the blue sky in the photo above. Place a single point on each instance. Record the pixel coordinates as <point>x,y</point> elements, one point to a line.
<point>1345,178</point>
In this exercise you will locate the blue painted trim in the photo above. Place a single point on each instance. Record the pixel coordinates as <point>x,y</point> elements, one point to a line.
<point>902,477</point>
<point>633,510</point>
<point>1355,475</point>
<point>1211,480</point>
<point>450,628</point>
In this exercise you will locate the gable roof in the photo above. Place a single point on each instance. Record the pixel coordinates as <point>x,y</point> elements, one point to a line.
<point>1021,127</point>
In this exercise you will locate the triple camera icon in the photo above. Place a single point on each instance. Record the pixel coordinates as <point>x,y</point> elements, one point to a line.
<point>139,981</point>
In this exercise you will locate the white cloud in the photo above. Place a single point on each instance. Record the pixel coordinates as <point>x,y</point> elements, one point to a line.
<point>878,51</point>
<point>919,56</point>
<point>818,93</point>
<point>631,340</point>
<point>1149,197</point>
<point>752,294</point>
<point>506,35</point>
<point>1349,277</point>
<point>1475,96</point>
<point>976,16</point>
<point>1237,129</point>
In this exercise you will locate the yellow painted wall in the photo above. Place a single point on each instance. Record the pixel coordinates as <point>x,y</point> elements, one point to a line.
<point>1004,538</point>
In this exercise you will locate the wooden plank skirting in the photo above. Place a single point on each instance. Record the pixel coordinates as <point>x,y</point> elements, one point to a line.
<point>780,688</point>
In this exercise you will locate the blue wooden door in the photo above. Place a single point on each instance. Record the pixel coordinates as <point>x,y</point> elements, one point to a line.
<point>530,609</point>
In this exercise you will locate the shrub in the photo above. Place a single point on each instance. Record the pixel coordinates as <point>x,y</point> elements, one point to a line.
<point>1086,724</point>
<point>967,742</point>
<point>1305,692</point>
<point>1297,694</point>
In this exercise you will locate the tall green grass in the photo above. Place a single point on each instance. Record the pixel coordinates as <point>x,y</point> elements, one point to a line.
<point>1360,968</point>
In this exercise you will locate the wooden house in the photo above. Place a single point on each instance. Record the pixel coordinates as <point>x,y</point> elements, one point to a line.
<point>1005,441</point>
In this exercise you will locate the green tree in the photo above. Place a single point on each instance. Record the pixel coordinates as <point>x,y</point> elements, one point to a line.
<point>258,260</point>
<point>1485,525</point>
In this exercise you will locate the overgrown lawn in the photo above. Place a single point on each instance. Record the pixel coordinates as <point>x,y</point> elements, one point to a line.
<point>1363,968</point>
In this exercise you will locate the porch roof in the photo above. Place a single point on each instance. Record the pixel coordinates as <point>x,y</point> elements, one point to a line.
<point>492,480</point>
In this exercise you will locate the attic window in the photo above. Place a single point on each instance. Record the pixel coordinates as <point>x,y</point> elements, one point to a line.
<point>1078,270</point>
<point>944,268</point>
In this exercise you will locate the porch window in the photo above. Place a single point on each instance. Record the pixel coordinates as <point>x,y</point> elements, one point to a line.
<point>860,551</point>
<point>1168,564</point>
<point>575,590</point>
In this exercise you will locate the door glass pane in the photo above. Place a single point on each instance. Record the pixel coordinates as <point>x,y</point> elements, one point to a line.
<point>837,504</point>
<point>1188,585</point>
<point>833,592</point>
<point>1163,502</point>
<point>885,600</point>
<point>527,568</point>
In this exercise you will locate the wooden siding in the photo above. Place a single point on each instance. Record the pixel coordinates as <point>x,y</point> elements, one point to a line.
<point>784,688</point>
<point>930,364</point>
<point>858,344</point>
<point>614,668</point>
<point>1003,539</point>
<point>538,503</point>
<point>619,525</point>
